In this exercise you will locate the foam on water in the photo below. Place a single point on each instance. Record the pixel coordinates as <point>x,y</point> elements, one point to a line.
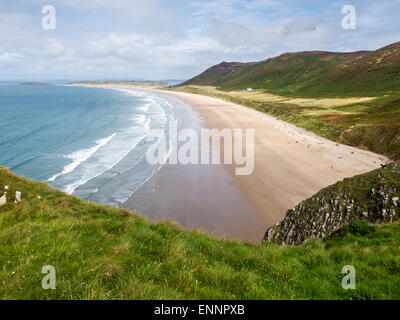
<point>107,156</point>
<point>122,156</point>
<point>138,118</point>
<point>80,156</point>
<point>101,164</point>
<point>86,141</point>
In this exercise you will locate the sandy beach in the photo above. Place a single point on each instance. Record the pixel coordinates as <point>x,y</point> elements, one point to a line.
<point>291,165</point>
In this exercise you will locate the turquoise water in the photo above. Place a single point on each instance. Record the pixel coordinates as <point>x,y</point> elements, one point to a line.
<point>85,141</point>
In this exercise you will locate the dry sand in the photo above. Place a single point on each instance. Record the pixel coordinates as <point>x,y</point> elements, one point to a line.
<point>286,172</point>
<point>291,164</point>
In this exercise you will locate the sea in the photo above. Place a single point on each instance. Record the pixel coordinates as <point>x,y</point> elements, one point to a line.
<point>86,141</point>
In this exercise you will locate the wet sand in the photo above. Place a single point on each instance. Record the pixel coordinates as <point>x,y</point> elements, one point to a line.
<point>198,197</point>
<point>291,165</point>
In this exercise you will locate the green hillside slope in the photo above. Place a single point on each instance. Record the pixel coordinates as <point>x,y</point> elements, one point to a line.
<point>352,98</point>
<point>281,74</point>
<point>100,252</point>
<point>217,75</point>
<point>311,74</point>
<point>373,74</point>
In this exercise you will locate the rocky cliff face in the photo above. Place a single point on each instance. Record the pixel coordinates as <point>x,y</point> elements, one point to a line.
<point>372,197</point>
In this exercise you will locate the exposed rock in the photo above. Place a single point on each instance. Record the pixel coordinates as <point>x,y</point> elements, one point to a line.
<point>372,197</point>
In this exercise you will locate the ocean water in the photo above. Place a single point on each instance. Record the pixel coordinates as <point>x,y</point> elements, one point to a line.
<point>90,142</point>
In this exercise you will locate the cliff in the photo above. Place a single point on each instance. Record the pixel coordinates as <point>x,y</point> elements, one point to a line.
<point>372,197</point>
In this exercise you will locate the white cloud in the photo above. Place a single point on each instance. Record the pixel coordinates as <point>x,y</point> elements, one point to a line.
<point>53,48</point>
<point>177,39</point>
<point>7,57</point>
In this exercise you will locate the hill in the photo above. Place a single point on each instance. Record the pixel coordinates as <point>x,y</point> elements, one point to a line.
<point>100,252</point>
<point>216,75</point>
<point>311,73</point>
<point>375,73</point>
<point>352,98</point>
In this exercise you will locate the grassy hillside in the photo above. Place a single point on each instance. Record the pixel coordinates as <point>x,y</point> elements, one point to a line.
<point>216,75</point>
<point>101,252</point>
<point>312,74</point>
<point>323,92</point>
<point>373,74</point>
<point>282,74</point>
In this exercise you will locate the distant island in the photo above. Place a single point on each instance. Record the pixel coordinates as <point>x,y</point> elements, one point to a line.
<point>34,84</point>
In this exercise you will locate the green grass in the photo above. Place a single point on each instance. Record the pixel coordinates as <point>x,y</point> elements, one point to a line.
<point>312,74</point>
<point>372,125</point>
<point>101,252</point>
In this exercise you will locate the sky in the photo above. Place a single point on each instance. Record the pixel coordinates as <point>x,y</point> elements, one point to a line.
<point>177,39</point>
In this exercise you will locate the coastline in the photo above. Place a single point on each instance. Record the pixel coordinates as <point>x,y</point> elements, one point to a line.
<point>286,172</point>
<point>291,164</point>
